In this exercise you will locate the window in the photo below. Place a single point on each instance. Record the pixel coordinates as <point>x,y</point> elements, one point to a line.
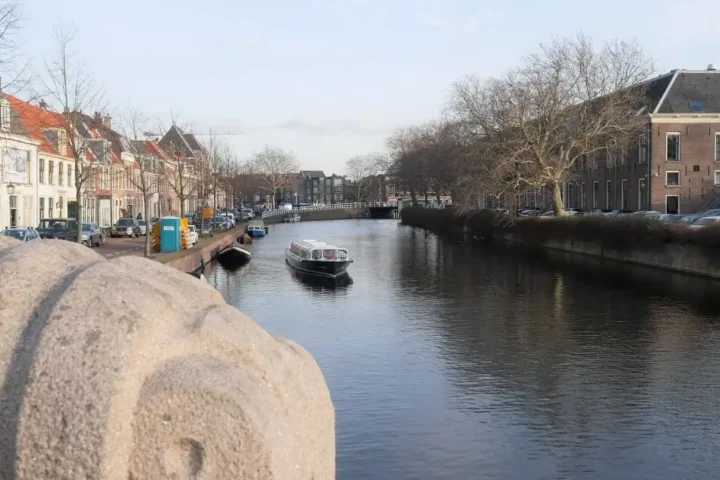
<point>642,149</point>
<point>717,178</point>
<point>696,168</point>
<point>5,116</point>
<point>69,176</point>
<point>698,107</point>
<point>15,165</point>
<point>13,211</point>
<point>672,152</point>
<point>42,170</point>
<point>61,179</point>
<point>42,208</point>
<point>672,204</point>
<point>51,171</point>
<point>624,195</point>
<point>608,195</point>
<point>717,147</point>
<point>582,195</point>
<point>672,179</point>
<point>60,205</point>
<point>596,191</point>
<point>51,205</point>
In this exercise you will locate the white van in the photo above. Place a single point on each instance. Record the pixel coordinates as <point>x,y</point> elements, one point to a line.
<point>230,216</point>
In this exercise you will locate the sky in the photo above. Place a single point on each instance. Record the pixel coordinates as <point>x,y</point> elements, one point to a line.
<point>328,80</point>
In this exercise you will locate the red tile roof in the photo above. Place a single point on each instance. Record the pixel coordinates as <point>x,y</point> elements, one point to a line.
<point>35,120</point>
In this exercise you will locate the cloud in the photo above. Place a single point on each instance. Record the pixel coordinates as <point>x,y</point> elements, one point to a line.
<point>325,126</point>
<point>466,23</point>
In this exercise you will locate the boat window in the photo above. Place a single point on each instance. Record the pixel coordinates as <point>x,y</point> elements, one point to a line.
<point>330,254</point>
<point>342,254</point>
<point>316,254</point>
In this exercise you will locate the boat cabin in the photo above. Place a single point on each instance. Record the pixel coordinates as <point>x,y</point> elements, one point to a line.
<point>256,225</point>
<point>318,251</point>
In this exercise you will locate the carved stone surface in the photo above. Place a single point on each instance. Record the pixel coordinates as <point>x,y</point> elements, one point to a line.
<point>128,369</point>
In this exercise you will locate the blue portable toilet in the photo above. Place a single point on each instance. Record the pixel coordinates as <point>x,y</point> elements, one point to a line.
<point>170,234</point>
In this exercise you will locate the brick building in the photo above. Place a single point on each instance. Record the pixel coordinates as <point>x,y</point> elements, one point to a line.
<point>675,166</point>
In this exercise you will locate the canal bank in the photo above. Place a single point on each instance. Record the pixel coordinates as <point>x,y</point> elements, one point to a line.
<point>625,240</point>
<point>206,250</point>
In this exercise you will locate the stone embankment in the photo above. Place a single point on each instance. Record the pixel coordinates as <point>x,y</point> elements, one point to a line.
<point>628,240</point>
<point>128,369</point>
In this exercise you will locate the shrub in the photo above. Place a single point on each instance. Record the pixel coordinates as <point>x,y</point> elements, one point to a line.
<point>619,233</point>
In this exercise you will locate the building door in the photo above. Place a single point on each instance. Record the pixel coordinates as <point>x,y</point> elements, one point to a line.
<point>71,209</point>
<point>13,211</point>
<point>105,206</point>
<point>624,195</point>
<point>641,194</point>
<point>672,204</point>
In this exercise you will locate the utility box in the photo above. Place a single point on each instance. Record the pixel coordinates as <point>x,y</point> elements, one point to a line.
<point>170,234</point>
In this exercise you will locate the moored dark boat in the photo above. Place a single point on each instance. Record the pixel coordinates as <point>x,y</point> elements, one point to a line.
<point>234,256</point>
<point>318,258</point>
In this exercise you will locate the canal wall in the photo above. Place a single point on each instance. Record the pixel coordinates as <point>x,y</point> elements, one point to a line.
<point>125,368</point>
<point>627,240</point>
<point>192,259</point>
<point>316,215</point>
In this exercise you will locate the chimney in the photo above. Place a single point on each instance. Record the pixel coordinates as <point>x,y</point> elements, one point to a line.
<point>96,116</point>
<point>711,67</point>
<point>43,104</point>
<point>107,121</point>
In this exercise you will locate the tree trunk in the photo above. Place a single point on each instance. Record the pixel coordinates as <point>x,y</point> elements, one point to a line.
<point>146,214</point>
<point>558,207</point>
<point>413,196</point>
<point>181,199</point>
<point>78,201</point>
<point>437,197</point>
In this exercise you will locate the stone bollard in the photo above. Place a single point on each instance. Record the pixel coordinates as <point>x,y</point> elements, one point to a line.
<point>129,370</point>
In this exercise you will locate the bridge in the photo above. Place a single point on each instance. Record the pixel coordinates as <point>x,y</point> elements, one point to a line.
<point>372,209</point>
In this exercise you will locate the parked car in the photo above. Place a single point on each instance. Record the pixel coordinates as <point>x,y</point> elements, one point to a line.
<point>126,227</point>
<point>247,214</point>
<point>711,213</point>
<point>220,224</point>
<point>58,228</point>
<point>704,222</point>
<point>671,218</point>
<point>230,217</point>
<point>24,234</point>
<point>153,221</point>
<point>92,235</point>
<point>143,227</point>
<point>688,219</point>
<point>206,229</point>
<point>193,234</point>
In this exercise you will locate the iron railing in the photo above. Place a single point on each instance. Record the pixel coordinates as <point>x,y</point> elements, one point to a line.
<point>315,208</point>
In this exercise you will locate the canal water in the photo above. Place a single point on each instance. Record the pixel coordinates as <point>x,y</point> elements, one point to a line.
<point>452,362</point>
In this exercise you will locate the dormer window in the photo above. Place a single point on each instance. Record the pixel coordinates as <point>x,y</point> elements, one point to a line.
<point>4,116</point>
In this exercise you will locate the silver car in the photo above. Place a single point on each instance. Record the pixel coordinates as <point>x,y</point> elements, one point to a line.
<point>24,234</point>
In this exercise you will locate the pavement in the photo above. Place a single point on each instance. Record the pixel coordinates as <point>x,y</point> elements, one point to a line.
<point>118,247</point>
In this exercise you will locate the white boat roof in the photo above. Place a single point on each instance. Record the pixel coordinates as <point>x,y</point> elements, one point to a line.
<point>312,244</point>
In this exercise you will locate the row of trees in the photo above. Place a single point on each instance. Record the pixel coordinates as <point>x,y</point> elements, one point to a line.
<point>527,129</point>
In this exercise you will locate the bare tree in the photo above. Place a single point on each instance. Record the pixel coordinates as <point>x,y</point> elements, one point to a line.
<point>72,87</point>
<point>147,173</point>
<point>360,171</point>
<point>276,168</point>
<point>247,182</point>
<point>18,71</point>
<point>568,101</point>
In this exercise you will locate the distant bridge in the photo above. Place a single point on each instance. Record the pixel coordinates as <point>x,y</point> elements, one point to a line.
<point>374,209</point>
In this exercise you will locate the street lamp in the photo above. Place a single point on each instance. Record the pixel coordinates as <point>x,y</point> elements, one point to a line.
<point>10,188</point>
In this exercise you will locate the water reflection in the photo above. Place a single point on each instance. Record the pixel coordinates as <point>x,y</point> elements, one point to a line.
<point>447,361</point>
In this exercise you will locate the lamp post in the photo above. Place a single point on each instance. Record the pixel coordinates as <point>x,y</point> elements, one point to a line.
<point>10,191</point>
